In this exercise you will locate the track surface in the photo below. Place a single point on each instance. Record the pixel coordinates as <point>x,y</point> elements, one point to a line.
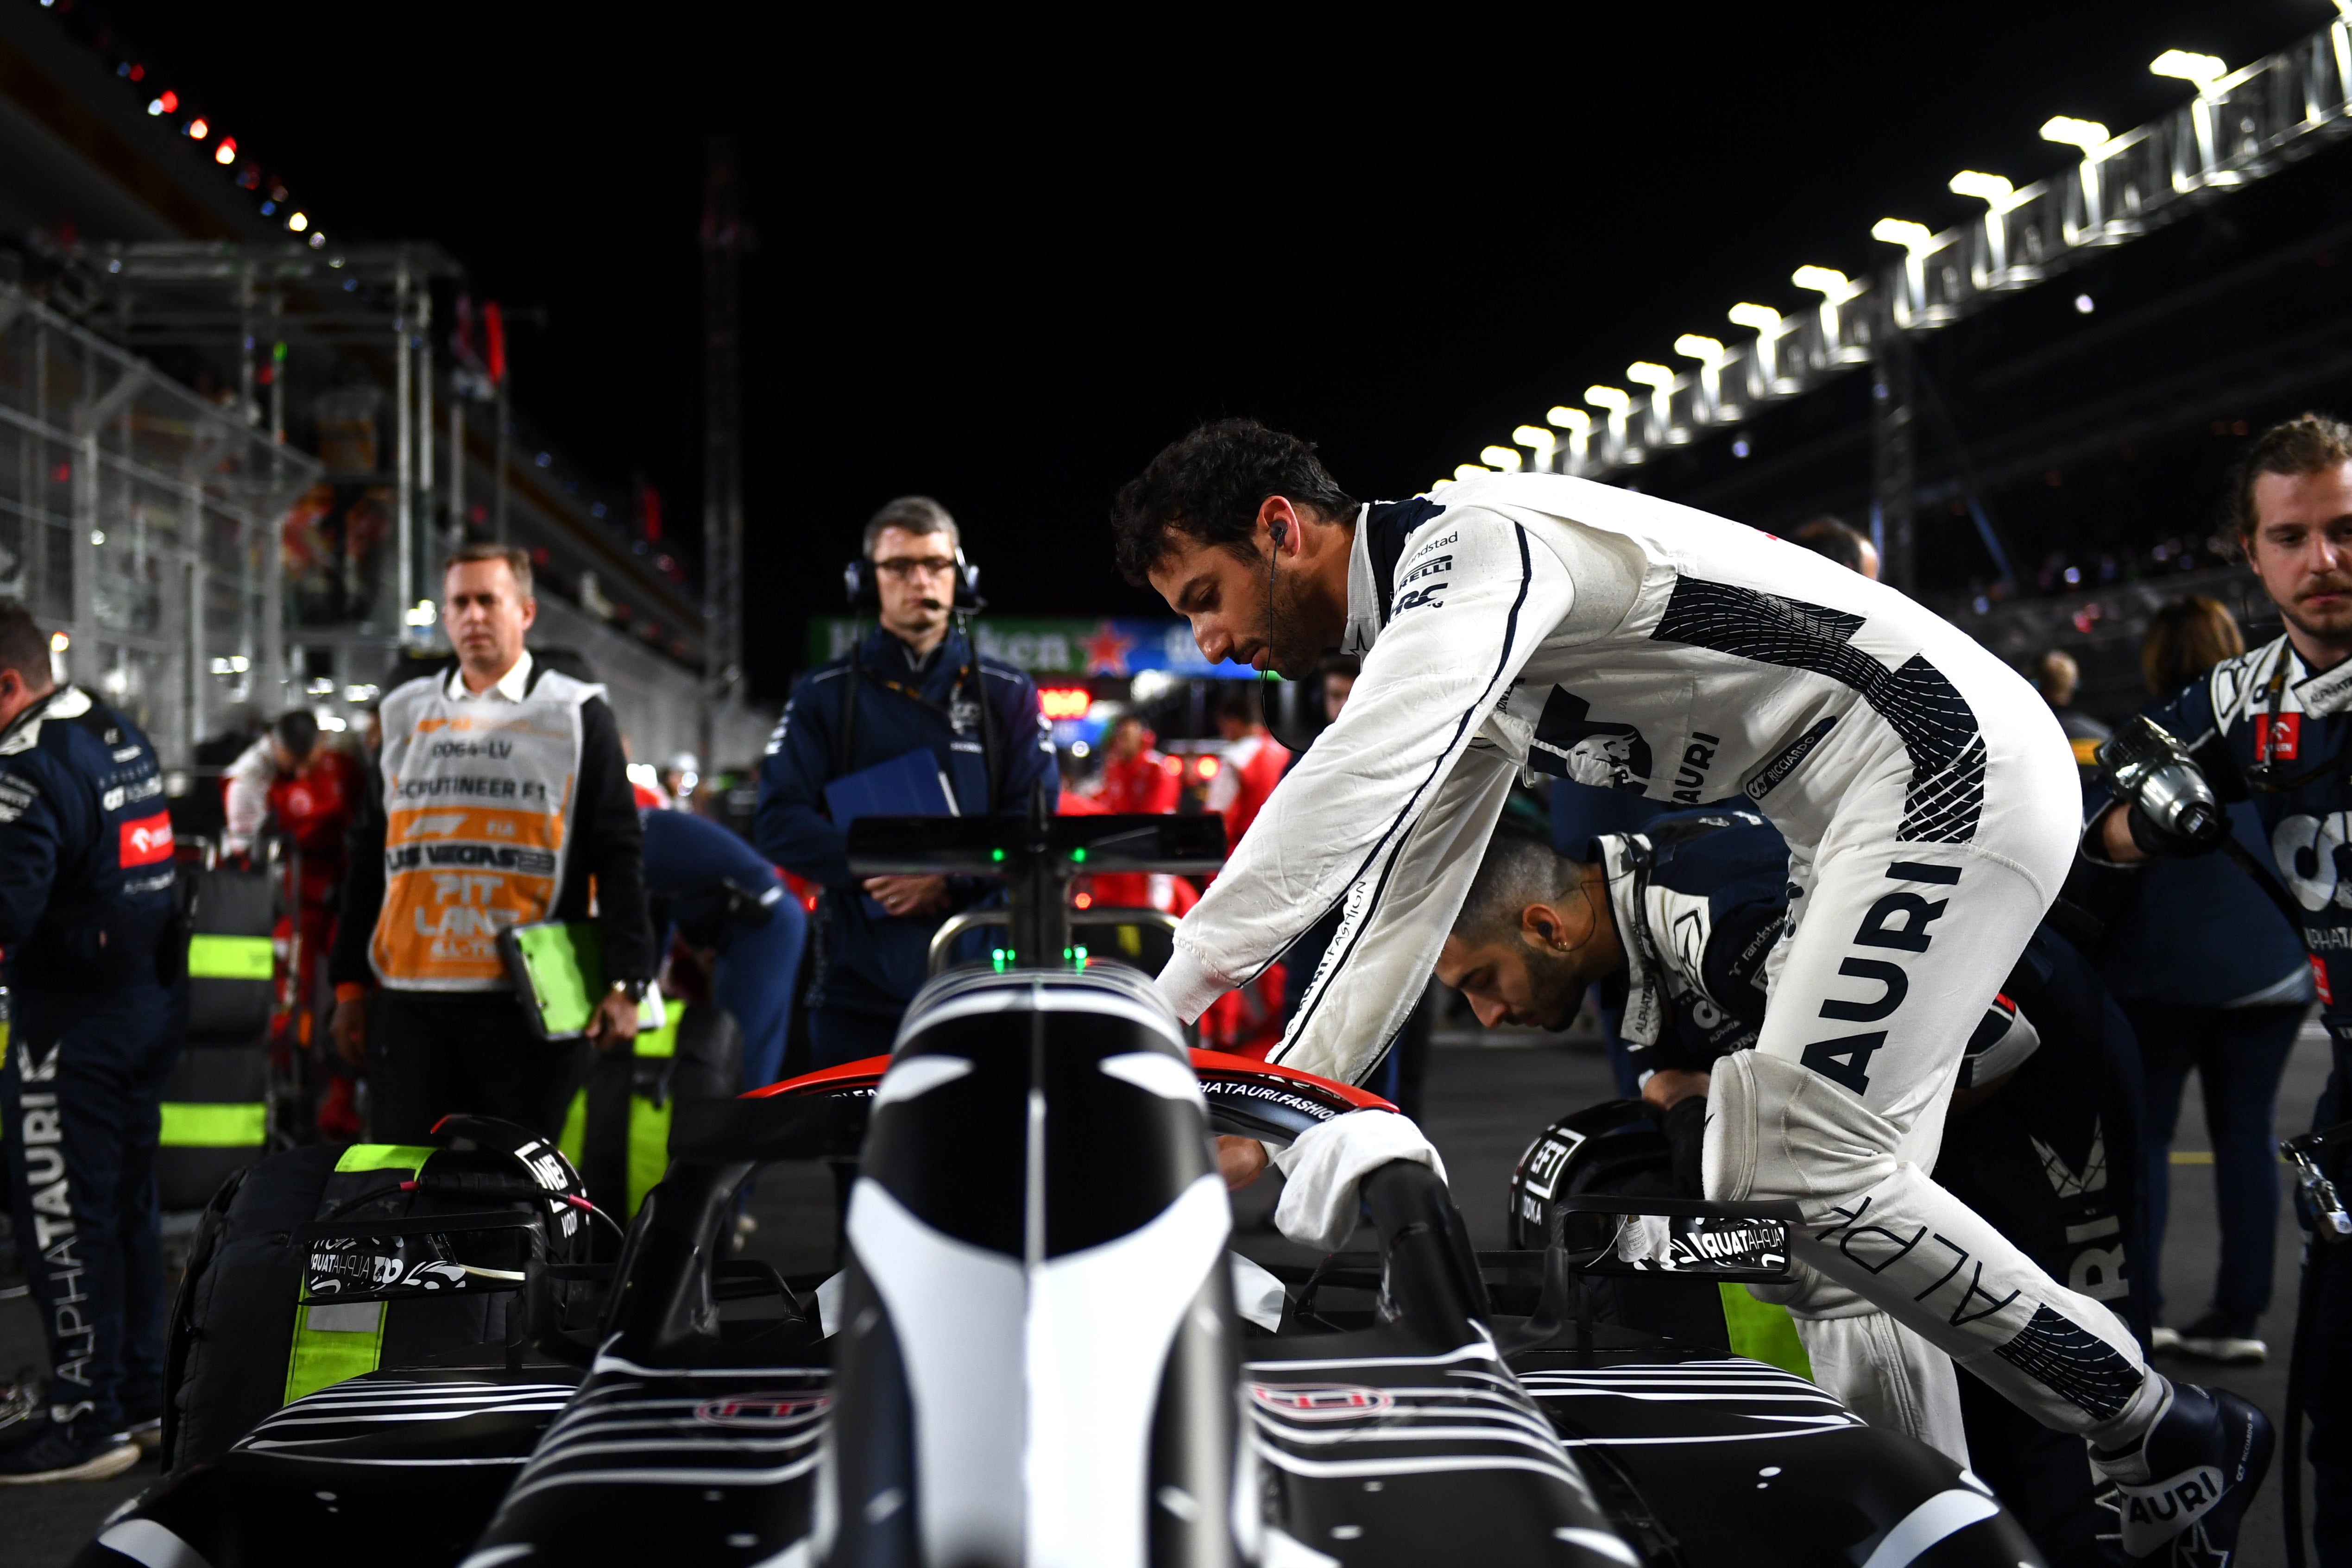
<point>1483,1106</point>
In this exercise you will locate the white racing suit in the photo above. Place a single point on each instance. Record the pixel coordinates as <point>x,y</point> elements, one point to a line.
<point>1927,793</point>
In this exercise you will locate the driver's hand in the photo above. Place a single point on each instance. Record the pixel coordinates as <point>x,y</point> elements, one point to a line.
<point>1239,1161</point>
<point>1670,1087</point>
<point>908,895</point>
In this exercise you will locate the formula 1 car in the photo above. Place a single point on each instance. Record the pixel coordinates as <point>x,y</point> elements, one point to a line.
<point>1040,1350</point>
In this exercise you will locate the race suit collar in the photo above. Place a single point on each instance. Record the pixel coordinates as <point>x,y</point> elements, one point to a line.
<point>2327,692</point>
<point>25,732</point>
<point>1383,527</point>
<point>1625,864</point>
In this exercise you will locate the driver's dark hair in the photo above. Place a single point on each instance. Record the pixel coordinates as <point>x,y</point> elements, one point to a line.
<point>24,646</point>
<point>1520,868</point>
<point>296,730</point>
<point>1208,488</point>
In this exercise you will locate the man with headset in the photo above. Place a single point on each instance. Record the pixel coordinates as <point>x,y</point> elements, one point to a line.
<point>916,684</point>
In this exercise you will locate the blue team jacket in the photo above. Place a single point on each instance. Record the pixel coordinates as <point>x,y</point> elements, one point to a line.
<point>86,868</point>
<point>2303,799</point>
<point>867,962</point>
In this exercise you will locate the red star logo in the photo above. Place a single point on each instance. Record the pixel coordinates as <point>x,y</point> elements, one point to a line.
<point>1105,651</point>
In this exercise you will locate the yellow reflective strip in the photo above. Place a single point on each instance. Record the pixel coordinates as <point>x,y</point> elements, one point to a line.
<point>574,1139</point>
<point>230,958</point>
<point>382,1156</point>
<point>648,1148</point>
<point>326,1352</point>
<point>1763,1330</point>
<point>662,1042</point>
<point>188,1124</point>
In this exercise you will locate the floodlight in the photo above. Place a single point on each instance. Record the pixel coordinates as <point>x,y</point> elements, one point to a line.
<point>1470,471</point>
<point>1991,188</point>
<point>1505,458</point>
<point>1535,437</point>
<point>1573,419</point>
<point>1763,317</point>
<point>1696,346</point>
<point>1615,400</point>
<point>2202,70</point>
<point>2067,131</point>
<point>1648,375</point>
<point>1913,237</point>
<point>1826,281</point>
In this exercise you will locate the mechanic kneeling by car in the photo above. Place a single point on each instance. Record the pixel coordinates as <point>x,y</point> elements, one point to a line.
<point>1677,923</point>
<point>92,945</point>
<point>506,797</point>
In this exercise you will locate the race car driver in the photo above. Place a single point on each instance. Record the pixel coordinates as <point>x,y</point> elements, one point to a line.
<point>1676,924</point>
<point>1929,802</point>
<point>87,924</point>
<point>2276,724</point>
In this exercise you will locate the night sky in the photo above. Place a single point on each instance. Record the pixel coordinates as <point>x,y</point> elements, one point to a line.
<point>1002,260</point>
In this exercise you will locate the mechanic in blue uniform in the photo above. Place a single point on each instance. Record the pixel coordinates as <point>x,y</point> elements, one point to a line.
<point>87,928</point>
<point>914,685</point>
<point>713,889</point>
<point>2274,725</point>
<point>2042,1128</point>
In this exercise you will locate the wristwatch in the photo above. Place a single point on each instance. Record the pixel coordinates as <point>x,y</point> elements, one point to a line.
<point>633,989</point>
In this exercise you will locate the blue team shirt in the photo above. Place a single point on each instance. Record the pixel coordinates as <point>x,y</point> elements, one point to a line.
<point>86,850</point>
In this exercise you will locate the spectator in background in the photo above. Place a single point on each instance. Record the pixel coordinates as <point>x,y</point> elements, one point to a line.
<point>312,790</point>
<point>2056,676</point>
<point>1338,674</point>
<point>913,685</point>
<point>1136,778</point>
<point>1847,546</point>
<point>1254,762</point>
<point>2213,978</point>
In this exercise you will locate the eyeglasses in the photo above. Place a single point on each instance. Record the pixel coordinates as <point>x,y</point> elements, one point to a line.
<point>905,566</point>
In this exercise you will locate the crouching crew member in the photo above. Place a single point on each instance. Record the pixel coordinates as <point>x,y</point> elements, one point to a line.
<point>1676,924</point>
<point>89,933</point>
<point>506,801</point>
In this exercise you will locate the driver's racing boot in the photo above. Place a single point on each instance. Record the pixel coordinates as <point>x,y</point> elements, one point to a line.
<point>2179,1493</point>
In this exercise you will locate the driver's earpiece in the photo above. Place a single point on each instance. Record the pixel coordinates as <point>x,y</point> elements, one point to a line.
<point>1543,927</point>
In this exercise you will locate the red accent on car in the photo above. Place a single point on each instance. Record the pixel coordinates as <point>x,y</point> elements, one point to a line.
<point>848,1075</point>
<point>146,840</point>
<point>869,1072</point>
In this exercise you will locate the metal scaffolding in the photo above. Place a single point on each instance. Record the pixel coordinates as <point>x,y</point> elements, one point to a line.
<point>139,522</point>
<point>336,350</point>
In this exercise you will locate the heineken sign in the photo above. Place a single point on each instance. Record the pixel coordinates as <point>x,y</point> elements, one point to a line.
<point>1070,649</point>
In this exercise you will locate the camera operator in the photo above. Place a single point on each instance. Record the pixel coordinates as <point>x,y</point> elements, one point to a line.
<point>1678,923</point>
<point>91,945</point>
<point>914,685</point>
<point>2276,726</point>
<point>506,797</point>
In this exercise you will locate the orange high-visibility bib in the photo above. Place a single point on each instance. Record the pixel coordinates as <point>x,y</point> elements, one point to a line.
<point>477,800</point>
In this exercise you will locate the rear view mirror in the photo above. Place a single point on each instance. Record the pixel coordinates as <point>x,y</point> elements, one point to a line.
<point>1719,1242</point>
